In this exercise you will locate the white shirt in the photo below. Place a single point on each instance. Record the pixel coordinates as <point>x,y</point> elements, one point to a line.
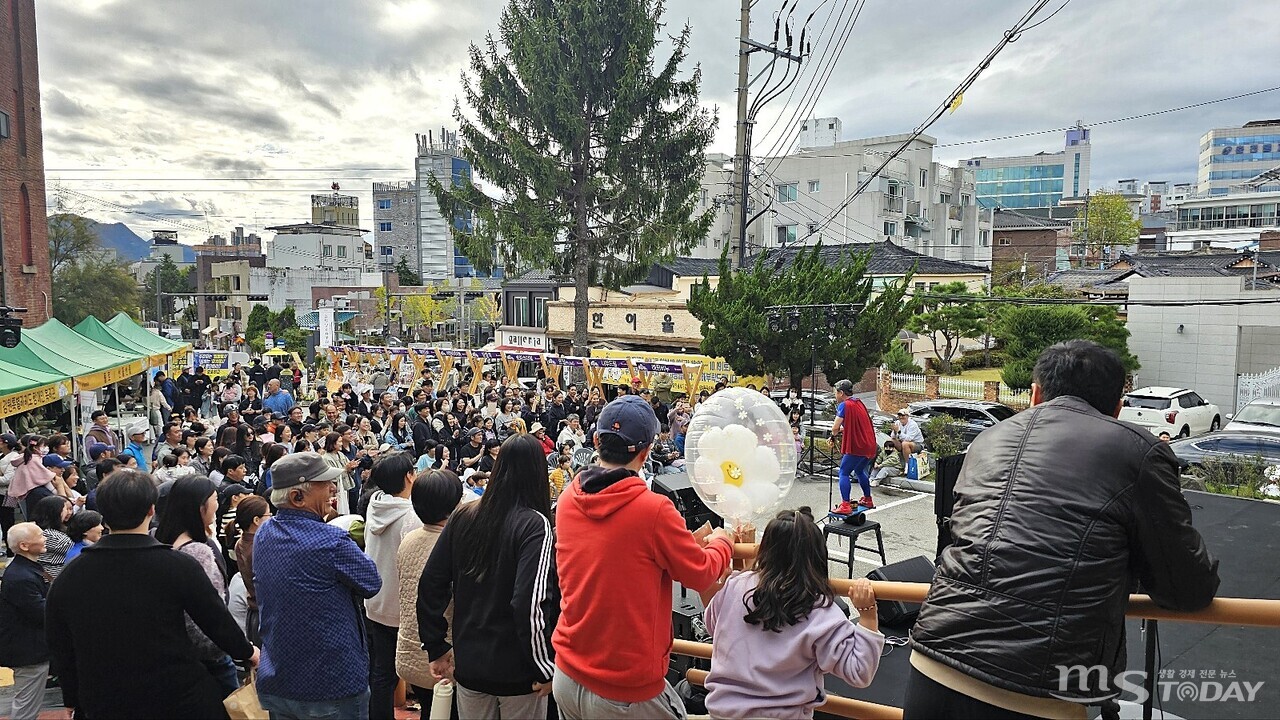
<point>908,431</point>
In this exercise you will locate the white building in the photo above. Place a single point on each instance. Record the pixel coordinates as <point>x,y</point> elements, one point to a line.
<point>915,202</point>
<point>1234,219</point>
<point>718,195</point>
<point>819,133</point>
<point>1229,156</point>
<point>310,245</point>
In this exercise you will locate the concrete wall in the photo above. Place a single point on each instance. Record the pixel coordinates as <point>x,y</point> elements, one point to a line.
<point>1208,354</point>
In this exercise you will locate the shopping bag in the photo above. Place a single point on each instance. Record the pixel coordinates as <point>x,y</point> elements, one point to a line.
<point>243,704</point>
<point>918,467</point>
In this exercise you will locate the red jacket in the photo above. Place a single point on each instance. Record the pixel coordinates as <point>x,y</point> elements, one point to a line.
<point>857,437</point>
<point>617,551</point>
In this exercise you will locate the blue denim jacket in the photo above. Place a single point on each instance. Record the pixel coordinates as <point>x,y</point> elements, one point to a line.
<point>310,579</point>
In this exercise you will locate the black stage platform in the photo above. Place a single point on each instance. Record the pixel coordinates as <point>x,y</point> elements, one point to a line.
<point>1245,537</point>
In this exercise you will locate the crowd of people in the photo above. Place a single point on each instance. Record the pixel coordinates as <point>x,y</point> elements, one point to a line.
<point>359,541</point>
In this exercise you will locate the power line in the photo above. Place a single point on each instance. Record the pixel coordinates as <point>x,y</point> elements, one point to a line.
<point>1009,36</point>
<point>817,70</point>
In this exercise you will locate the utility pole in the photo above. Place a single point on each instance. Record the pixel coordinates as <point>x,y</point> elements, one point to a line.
<point>742,156</point>
<point>747,110</point>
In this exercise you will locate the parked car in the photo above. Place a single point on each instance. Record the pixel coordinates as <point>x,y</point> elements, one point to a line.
<point>1194,451</point>
<point>974,415</point>
<point>1177,411</point>
<point>1259,416</point>
<point>823,405</point>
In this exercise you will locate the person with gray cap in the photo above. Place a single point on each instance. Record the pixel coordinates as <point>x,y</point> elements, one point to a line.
<point>310,580</point>
<point>137,437</point>
<point>618,547</point>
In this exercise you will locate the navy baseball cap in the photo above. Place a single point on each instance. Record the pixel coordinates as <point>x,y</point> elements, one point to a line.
<point>56,461</point>
<point>628,420</point>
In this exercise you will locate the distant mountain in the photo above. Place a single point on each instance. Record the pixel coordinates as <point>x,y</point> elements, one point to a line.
<point>128,245</point>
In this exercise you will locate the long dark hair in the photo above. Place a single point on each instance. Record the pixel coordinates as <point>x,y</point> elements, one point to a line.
<point>791,572</point>
<point>251,508</point>
<point>184,511</point>
<point>401,435</point>
<point>519,479</point>
<point>227,436</point>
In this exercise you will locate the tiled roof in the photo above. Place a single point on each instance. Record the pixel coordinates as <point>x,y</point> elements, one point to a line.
<point>692,267</point>
<point>1006,219</point>
<point>533,275</point>
<point>886,259</point>
<point>1076,279</point>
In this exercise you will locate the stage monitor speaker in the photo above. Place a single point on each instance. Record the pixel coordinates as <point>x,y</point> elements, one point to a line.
<point>676,488</point>
<point>899,614</point>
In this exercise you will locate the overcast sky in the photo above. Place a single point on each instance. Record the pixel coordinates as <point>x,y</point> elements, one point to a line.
<point>166,106</point>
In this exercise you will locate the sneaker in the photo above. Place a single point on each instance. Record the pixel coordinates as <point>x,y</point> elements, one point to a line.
<point>843,508</point>
<point>867,503</point>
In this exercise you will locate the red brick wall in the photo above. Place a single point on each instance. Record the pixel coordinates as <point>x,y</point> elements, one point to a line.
<point>24,229</point>
<point>1037,246</point>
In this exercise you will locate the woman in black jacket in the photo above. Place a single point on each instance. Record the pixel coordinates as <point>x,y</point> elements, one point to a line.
<point>495,560</point>
<point>22,644</point>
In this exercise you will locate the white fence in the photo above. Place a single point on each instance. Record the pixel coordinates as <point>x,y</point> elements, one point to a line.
<point>1251,386</point>
<point>907,382</point>
<point>949,387</point>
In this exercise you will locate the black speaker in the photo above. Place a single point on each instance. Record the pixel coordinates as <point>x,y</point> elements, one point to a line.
<point>899,614</point>
<point>676,488</point>
<point>687,624</point>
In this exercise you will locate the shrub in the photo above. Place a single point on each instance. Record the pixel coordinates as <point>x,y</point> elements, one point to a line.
<point>898,360</point>
<point>1235,474</point>
<point>975,360</point>
<point>943,435</point>
<point>1017,374</point>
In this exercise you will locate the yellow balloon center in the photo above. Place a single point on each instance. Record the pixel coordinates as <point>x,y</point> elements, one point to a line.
<point>732,473</point>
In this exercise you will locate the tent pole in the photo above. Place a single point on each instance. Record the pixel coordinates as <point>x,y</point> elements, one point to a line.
<point>119,425</point>
<point>75,427</point>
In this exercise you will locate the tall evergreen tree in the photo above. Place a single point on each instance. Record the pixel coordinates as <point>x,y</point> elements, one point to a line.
<point>597,149</point>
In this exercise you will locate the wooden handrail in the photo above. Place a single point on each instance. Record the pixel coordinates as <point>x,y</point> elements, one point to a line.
<point>835,704</point>
<point>1222,611</point>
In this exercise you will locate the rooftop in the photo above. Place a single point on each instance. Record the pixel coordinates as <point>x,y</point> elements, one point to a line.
<point>692,267</point>
<point>887,259</point>
<point>1006,219</point>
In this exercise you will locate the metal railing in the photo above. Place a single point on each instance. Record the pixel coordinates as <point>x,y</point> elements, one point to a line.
<point>959,388</point>
<point>893,203</point>
<point>1252,612</point>
<point>907,382</point>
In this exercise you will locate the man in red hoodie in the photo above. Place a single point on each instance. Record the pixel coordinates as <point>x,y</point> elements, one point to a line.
<point>618,547</point>
<point>858,446</point>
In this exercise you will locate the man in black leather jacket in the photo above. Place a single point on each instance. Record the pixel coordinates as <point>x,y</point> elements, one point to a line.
<point>1060,513</point>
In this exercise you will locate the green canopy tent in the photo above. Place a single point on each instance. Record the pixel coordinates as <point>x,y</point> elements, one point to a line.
<point>56,348</point>
<point>93,328</point>
<point>23,388</point>
<point>126,328</point>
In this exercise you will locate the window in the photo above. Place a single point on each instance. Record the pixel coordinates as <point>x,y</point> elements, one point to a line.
<point>326,251</point>
<point>920,287</point>
<point>235,282</point>
<point>1190,400</point>
<point>384,227</point>
<point>944,198</point>
<point>787,193</point>
<point>964,199</point>
<point>924,178</point>
<point>955,236</point>
<point>4,124</point>
<point>984,238</point>
<point>384,203</point>
<point>24,225</point>
<point>520,311</point>
<point>540,312</point>
<point>342,251</point>
<point>815,186</point>
<point>1005,242</point>
<point>786,234</point>
<point>890,229</point>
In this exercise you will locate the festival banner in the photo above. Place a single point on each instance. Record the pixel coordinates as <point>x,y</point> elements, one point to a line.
<point>25,400</point>
<point>477,369</point>
<point>511,366</point>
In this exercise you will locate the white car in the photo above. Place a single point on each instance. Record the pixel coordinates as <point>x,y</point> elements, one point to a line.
<point>1259,416</point>
<point>1177,411</point>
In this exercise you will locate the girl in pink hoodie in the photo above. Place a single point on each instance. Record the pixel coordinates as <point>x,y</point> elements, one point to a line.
<point>777,629</point>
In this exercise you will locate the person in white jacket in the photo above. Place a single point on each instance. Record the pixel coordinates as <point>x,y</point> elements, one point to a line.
<point>390,518</point>
<point>8,454</point>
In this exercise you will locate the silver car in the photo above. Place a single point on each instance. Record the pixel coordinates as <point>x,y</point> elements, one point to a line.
<point>1259,416</point>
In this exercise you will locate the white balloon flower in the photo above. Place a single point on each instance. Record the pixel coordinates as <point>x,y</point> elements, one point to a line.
<point>738,471</point>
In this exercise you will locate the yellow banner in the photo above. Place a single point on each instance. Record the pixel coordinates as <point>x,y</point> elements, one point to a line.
<point>35,397</point>
<point>102,378</point>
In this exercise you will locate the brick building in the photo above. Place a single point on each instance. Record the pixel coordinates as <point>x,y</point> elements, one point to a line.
<point>1042,243</point>
<point>24,229</point>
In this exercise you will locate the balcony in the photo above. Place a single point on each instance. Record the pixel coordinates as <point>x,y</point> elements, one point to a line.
<point>1223,223</point>
<point>893,203</point>
<point>955,212</point>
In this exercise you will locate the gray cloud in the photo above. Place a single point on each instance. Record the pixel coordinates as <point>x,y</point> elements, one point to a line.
<point>266,87</point>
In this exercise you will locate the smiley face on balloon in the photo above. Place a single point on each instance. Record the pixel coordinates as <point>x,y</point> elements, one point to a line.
<point>741,455</point>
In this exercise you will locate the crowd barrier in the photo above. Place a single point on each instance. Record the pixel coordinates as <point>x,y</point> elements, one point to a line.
<point>1222,611</point>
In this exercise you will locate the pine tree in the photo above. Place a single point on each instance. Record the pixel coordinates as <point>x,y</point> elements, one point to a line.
<point>597,150</point>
